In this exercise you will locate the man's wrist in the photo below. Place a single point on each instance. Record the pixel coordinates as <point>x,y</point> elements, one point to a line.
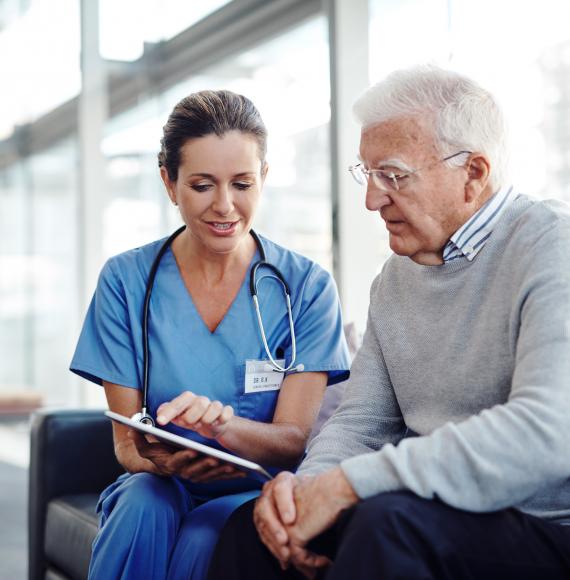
<point>339,488</point>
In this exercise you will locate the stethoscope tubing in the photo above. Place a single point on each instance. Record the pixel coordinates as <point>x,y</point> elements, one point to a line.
<point>261,263</point>
<point>146,308</point>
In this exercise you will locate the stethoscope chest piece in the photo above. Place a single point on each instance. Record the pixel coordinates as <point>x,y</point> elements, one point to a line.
<point>143,417</point>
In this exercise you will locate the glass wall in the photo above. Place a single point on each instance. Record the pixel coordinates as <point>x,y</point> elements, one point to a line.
<point>15,286</point>
<point>41,251</point>
<point>39,60</point>
<point>287,79</point>
<point>38,261</point>
<point>136,210</point>
<point>518,50</point>
<point>53,229</point>
<point>156,21</point>
<point>528,68</point>
<point>285,71</point>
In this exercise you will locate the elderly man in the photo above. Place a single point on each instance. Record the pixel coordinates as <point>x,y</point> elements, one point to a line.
<point>449,456</point>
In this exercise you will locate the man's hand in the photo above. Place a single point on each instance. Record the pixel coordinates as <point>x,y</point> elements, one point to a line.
<point>319,501</point>
<point>292,511</point>
<point>274,510</point>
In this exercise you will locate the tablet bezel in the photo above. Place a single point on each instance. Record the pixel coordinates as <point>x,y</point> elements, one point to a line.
<point>179,441</point>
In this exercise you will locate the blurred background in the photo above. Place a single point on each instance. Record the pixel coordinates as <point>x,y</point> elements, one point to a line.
<point>88,84</point>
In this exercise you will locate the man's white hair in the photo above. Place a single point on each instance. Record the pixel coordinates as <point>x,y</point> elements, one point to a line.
<point>465,116</point>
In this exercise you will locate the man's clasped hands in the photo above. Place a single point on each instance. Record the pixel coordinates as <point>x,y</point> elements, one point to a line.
<point>294,510</point>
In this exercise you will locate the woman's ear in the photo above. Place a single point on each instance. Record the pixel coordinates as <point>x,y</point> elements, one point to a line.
<point>478,172</point>
<point>169,185</point>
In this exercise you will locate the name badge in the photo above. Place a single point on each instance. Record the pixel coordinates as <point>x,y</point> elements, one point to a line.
<point>258,378</point>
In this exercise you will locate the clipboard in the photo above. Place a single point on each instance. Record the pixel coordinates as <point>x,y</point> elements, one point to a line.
<point>182,442</point>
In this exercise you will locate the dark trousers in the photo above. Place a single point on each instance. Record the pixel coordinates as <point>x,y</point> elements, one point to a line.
<point>401,536</point>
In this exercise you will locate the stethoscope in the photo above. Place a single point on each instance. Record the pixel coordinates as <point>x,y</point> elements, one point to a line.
<point>144,416</point>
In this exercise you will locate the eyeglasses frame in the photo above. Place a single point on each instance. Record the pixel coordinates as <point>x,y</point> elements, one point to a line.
<point>393,177</point>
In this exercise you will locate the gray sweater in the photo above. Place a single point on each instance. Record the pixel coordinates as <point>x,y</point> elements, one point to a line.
<point>461,389</point>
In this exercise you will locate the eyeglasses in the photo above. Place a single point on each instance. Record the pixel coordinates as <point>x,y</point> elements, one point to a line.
<point>388,180</point>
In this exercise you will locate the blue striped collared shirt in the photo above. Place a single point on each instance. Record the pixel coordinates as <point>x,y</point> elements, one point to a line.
<point>470,238</point>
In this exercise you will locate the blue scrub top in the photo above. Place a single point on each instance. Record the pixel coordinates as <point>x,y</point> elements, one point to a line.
<point>184,354</point>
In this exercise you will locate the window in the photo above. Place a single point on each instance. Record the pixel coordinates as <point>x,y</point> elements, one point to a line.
<point>287,79</point>
<point>46,71</point>
<point>156,21</point>
<point>526,66</point>
<point>39,294</point>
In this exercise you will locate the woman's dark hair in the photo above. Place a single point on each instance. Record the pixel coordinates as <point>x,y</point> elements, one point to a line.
<point>204,113</point>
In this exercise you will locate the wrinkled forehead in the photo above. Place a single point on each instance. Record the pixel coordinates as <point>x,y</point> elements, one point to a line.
<point>409,138</point>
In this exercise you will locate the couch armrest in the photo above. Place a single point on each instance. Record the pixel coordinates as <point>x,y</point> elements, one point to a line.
<point>71,452</point>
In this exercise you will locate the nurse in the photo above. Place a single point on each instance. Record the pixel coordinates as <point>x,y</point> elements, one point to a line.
<point>162,517</point>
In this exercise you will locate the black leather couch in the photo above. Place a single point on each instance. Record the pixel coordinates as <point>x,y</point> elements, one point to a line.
<point>71,462</point>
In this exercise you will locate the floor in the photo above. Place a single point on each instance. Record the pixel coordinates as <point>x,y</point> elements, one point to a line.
<point>14,456</point>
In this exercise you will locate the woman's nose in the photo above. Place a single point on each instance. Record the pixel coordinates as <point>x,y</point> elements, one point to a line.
<point>223,201</point>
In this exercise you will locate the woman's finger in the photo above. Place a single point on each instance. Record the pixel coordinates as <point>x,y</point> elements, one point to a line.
<point>168,411</point>
<point>181,458</point>
<point>197,467</point>
<point>209,474</point>
<point>218,473</point>
<point>235,475</point>
<point>226,415</point>
<point>212,413</point>
<point>196,410</point>
<point>138,439</point>
<point>146,448</point>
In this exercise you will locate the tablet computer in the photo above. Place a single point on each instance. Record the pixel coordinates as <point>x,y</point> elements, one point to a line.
<point>182,442</point>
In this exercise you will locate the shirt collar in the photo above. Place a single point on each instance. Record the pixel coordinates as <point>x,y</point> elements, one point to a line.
<point>472,236</point>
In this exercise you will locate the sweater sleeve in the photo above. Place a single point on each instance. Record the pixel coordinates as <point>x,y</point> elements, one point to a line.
<point>508,453</point>
<point>368,416</point>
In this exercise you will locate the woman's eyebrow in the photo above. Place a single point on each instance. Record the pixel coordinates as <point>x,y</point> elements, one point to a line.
<point>207,175</point>
<point>245,174</point>
<point>213,177</point>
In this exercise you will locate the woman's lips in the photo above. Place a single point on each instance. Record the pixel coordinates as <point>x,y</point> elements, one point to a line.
<point>222,229</point>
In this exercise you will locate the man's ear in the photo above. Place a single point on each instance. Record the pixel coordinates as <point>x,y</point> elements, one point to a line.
<point>478,172</point>
<point>168,184</point>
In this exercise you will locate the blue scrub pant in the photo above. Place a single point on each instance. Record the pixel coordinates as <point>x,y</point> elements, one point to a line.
<point>151,527</point>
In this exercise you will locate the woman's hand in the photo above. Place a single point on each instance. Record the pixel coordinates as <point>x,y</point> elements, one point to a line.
<point>208,418</point>
<point>138,454</point>
<point>165,459</point>
<point>185,463</point>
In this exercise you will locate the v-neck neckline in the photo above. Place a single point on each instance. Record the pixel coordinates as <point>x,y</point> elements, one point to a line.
<point>233,304</point>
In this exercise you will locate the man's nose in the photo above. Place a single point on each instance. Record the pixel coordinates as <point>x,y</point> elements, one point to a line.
<point>376,198</point>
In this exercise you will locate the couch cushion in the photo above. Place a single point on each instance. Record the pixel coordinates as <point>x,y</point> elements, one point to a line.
<point>71,526</point>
